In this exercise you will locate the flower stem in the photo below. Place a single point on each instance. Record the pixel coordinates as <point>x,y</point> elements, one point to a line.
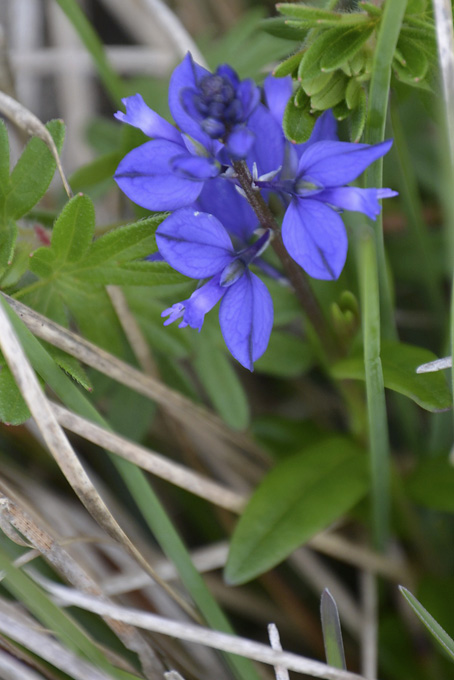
<point>293,272</point>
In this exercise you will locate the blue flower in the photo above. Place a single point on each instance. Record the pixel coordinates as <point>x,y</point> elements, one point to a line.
<point>312,230</point>
<point>169,172</point>
<point>197,245</point>
<point>214,104</point>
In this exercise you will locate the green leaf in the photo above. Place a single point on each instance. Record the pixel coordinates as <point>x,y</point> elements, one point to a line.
<point>400,361</point>
<point>73,271</point>
<point>345,46</point>
<point>289,66</point>
<point>315,85</point>
<point>278,27</point>
<point>432,484</point>
<point>71,366</point>
<point>301,496</point>
<point>94,173</point>
<point>32,173</point>
<point>410,63</point>
<point>332,634</point>
<point>313,17</point>
<point>221,383</point>
<point>73,230</point>
<point>358,117</point>
<point>4,158</point>
<point>352,93</point>
<point>310,63</point>
<point>287,356</point>
<point>8,236</point>
<point>333,93</point>
<point>297,122</point>
<point>432,626</point>
<point>13,409</point>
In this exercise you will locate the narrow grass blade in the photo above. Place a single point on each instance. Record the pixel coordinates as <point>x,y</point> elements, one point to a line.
<point>387,36</point>
<point>428,620</point>
<point>376,406</point>
<point>140,490</point>
<point>332,633</point>
<point>111,81</point>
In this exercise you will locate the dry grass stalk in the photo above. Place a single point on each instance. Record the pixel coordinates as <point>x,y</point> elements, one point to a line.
<point>27,121</point>
<point>62,450</point>
<point>155,463</point>
<point>12,669</point>
<point>49,649</point>
<point>66,566</point>
<point>193,633</point>
<point>182,409</point>
<point>280,671</point>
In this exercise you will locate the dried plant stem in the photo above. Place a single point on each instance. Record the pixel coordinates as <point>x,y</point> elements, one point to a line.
<point>62,450</point>
<point>294,273</point>
<point>183,409</point>
<point>47,545</point>
<point>48,649</point>
<point>27,121</point>
<point>198,634</point>
<point>152,462</point>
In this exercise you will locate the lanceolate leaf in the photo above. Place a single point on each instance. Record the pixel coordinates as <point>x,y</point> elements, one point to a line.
<point>428,620</point>
<point>345,46</point>
<point>13,409</point>
<point>74,271</point>
<point>298,498</point>
<point>32,173</point>
<point>332,633</point>
<point>400,361</point>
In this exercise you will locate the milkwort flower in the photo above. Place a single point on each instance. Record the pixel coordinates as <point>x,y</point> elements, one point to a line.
<point>197,245</point>
<point>211,111</point>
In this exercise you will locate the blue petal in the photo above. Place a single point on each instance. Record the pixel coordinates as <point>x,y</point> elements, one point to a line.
<point>227,71</point>
<point>277,93</point>
<point>337,163</point>
<point>249,95</point>
<point>353,198</point>
<point>268,149</point>
<point>315,237</point>
<point>240,220</point>
<point>325,129</point>
<point>246,318</point>
<point>145,175</point>
<point>240,142</point>
<point>139,115</point>
<point>195,167</point>
<point>194,309</point>
<point>186,75</point>
<point>194,243</point>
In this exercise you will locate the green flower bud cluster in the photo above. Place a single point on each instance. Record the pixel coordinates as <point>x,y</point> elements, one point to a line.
<point>332,69</point>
